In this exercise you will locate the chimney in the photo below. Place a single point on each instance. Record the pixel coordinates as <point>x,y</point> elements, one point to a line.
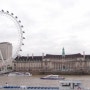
<point>27,56</point>
<point>84,55</point>
<point>32,55</point>
<point>42,55</point>
<point>63,52</point>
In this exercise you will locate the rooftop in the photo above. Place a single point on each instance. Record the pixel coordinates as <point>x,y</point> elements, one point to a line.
<point>40,58</point>
<point>5,43</point>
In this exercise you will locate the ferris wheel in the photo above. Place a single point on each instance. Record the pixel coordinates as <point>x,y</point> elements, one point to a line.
<point>19,27</point>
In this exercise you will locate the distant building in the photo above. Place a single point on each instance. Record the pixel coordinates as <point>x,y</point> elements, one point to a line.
<point>6,50</point>
<point>53,64</point>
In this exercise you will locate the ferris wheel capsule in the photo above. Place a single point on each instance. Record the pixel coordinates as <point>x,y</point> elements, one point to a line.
<point>12,14</point>
<point>20,49</point>
<point>23,37</point>
<point>19,21</point>
<point>23,31</point>
<point>2,10</point>
<point>7,11</point>
<point>22,43</point>
<point>22,26</point>
<point>16,17</point>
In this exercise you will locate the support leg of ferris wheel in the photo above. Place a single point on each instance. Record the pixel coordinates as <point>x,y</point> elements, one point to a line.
<point>1,56</point>
<point>3,65</point>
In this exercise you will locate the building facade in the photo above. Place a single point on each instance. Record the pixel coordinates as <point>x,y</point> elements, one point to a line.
<point>6,50</point>
<point>54,64</point>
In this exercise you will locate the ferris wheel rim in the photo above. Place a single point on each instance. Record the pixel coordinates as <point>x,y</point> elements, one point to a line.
<point>18,22</point>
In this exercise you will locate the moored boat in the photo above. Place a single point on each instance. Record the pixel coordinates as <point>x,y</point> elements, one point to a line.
<point>19,74</point>
<point>53,77</point>
<point>71,85</point>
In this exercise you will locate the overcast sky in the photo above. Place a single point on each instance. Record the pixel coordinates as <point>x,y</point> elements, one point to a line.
<point>50,25</point>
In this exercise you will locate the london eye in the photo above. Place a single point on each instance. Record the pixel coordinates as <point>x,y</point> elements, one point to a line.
<point>16,33</point>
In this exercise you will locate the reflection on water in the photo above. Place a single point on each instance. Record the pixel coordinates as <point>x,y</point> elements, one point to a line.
<point>36,81</point>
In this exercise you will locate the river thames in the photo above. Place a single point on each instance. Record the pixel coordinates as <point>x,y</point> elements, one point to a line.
<point>35,80</point>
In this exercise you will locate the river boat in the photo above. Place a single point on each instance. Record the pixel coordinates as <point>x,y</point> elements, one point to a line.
<point>63,85</point>
<point>19,74</point>
<point>53,77</point>
<point>71,85</point>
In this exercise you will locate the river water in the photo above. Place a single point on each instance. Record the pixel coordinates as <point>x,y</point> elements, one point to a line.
<point>35,80</point>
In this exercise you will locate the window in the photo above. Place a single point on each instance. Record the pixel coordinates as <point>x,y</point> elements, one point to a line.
<point>65,84</point>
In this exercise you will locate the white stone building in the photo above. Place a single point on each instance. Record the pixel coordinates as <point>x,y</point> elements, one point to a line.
<point>6,50</point>
<point>53,64</point>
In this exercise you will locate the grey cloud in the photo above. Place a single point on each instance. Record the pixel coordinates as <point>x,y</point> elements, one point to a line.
<point>50,25</point>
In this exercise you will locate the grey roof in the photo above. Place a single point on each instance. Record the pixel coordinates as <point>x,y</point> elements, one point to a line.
<point>66,56</point>
<point>5,43</point>
<point>39,58</point>
<point>28,58</point>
